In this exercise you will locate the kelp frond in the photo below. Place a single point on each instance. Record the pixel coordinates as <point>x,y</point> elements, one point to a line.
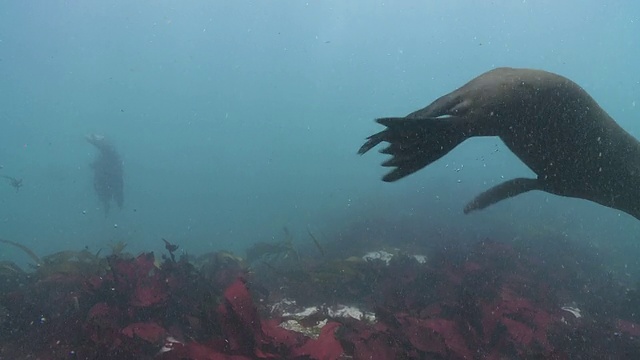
<point>275,252</point>
<point>72,262</point>
<point>117,248</point>
<point>9,267</point>
<point>28,251</point>
<point>316,242</point>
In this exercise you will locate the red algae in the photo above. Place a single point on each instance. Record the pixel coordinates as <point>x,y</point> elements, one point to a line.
<point>490,302</point>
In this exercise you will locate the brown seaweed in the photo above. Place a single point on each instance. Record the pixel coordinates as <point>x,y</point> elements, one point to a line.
<point>274,252</point>
<point>28,251</point>
<point>316,242</point>
<point>70,262</point>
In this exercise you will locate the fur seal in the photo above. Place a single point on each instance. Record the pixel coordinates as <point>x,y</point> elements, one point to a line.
<point>107,173</point>
<point>553,125</point>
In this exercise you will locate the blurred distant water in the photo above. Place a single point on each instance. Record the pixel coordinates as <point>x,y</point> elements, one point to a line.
<point>238,118</point>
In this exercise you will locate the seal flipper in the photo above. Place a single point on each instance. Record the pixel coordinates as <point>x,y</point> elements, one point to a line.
<point>416,142</point>
<point>503,191</point>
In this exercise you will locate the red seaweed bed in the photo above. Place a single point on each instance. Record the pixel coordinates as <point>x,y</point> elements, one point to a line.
<point>488,300</point>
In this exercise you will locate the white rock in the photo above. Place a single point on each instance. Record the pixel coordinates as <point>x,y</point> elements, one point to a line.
<point>378,255</point>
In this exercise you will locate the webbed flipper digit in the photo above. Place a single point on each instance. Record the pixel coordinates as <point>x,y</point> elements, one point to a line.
<point>416,142</point>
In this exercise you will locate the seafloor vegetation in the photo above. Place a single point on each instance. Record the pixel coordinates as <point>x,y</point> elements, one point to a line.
<point>486,300</point>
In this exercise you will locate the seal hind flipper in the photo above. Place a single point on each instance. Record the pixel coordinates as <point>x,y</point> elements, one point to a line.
<point>416,142</point>
<point>503,191</point>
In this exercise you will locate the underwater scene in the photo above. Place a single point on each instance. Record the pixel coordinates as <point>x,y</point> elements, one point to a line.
<point>319,179</point>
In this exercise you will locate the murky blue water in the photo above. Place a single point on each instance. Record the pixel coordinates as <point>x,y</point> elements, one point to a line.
<point>235,119</point>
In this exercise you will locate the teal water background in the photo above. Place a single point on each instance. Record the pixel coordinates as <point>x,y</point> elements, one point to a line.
<point>238,118</point>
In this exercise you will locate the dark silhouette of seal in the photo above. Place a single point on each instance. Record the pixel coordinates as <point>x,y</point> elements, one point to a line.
<point>573,146</point>
<point>107,173</point>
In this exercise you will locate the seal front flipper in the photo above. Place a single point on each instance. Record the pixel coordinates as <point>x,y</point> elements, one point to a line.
<point>503,191</point>
<point>416,142</point>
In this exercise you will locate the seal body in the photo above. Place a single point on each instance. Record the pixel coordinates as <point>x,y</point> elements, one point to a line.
<point>560,132</point>
<point>107,173</point>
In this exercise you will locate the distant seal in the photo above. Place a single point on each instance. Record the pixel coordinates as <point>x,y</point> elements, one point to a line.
<point>107,173</point>
<point>573,146</point>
